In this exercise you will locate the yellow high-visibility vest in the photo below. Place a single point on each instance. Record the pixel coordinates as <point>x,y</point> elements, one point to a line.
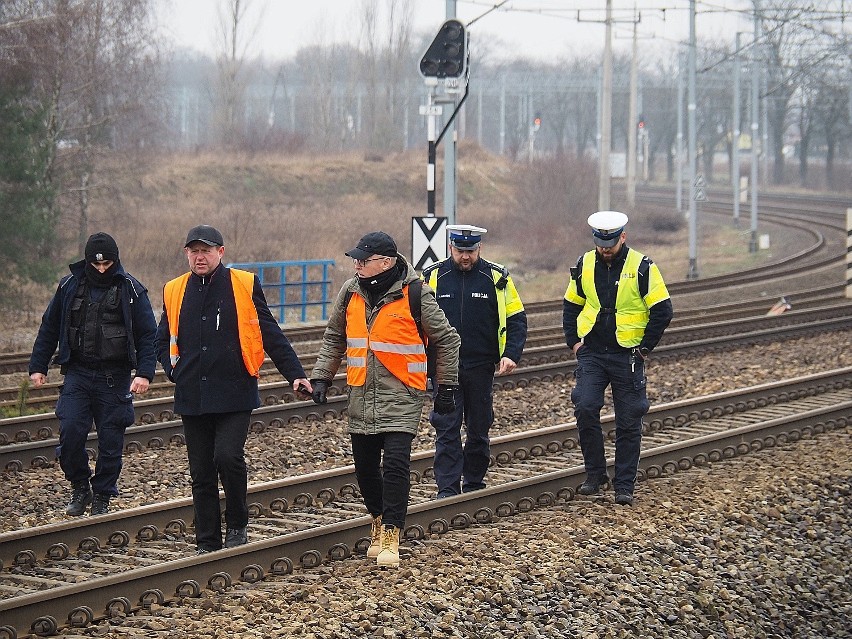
<point>631,309</point>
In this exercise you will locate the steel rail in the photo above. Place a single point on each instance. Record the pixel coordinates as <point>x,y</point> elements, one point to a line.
<point>166,516</point>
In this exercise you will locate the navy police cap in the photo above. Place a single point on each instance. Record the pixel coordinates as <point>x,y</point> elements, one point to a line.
<point>607,227</point>
<point>465,237</point>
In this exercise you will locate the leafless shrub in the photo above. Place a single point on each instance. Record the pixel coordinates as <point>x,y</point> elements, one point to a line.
<point>663,220</point>
<point>554,198</point>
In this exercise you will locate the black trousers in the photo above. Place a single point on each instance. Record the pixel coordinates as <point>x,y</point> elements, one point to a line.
<point>625,373</point>
<point>88,395</point>
<point>384,481</point>
<point>474,406</point>
<point>215,447</point>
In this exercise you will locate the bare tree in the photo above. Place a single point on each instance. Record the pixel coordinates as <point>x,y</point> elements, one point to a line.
<point>237,31</point>
<point>787,35</point>
<point>386,62</point>
<point>714,97</point>
<point>91,62</point>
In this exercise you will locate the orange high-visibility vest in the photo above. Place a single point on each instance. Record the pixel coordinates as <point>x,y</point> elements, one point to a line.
<point>395,343</point>
<point>248,325</point>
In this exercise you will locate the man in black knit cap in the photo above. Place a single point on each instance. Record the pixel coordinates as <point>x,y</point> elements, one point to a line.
<point>102,321</point>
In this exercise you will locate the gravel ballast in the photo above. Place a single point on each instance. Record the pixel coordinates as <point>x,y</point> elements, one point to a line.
<point>757,546</point>
<point>751,547</point>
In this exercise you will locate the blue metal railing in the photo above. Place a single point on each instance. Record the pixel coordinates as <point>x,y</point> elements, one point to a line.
<point>297,286</point>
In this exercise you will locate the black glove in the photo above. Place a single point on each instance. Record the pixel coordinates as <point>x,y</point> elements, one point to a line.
<point>320,387</point>
<point>445,401</point>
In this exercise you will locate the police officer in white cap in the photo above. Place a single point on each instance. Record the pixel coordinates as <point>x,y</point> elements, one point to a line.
<point>480,300</point>
<point>614,313</point>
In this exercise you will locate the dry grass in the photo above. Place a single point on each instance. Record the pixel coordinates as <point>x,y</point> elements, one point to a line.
<point>275,207</point>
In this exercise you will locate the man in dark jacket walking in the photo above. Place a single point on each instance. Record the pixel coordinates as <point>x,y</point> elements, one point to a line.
<point>103,323</point>
<point>481,302</point>
<point>211,339</point>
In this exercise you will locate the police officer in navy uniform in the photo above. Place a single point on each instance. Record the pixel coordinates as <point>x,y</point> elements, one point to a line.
<point>480,300</point>
<point>103,323</point>
<point>213,332</point>
<point>614,313</point>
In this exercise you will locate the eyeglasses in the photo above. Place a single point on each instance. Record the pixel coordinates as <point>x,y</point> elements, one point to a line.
<point>364,262</point>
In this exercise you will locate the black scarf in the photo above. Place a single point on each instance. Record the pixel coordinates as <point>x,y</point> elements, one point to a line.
<point>98,279</point>
<point>377,285</point>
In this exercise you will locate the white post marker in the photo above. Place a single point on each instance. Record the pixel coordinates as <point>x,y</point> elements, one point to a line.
<point>849,253</point>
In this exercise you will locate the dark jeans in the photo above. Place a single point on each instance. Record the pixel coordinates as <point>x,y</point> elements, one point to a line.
<point>474,406</point>
<point>384,481</point>
<point>88,396</point>
<point>215,445</point>
<point>594,372</point>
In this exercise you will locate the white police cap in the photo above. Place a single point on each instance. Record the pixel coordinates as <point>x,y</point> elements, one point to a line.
<point>465,237</point>
<point>607,227</point>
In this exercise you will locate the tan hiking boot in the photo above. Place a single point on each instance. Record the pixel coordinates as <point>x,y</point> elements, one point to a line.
<point>375,538</point>
<point>389,555</point>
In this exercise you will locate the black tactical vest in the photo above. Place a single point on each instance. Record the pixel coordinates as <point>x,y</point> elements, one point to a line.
<point>96,330</point>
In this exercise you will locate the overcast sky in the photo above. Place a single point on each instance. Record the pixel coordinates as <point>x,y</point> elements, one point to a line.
<point>537,29</point>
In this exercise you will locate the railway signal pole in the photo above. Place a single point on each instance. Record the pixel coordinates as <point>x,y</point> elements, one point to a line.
<point>445,70</point>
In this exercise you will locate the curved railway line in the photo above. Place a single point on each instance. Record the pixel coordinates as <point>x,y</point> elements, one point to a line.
<point>74,572</point>
<point>822,219</point>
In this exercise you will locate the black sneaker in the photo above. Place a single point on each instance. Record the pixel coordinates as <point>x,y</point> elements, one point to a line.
<point>100,504</point>
<point>591,486</point>
<point>235,537</point>
<point>81,496</point>
<point>623,498</point>
<point>203,551</point>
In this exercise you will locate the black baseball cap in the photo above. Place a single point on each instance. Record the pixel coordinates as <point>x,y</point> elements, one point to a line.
<point>375,243</point>
<point>206,234</point>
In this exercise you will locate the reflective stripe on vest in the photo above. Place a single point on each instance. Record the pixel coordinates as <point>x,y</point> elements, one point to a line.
<point>248,325</point>
<point>631,312</point>
<point>396,344</point>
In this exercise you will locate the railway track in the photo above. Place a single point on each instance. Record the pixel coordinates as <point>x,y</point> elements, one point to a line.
<point>45,397</point>
<point>30,441</point>
<point>76,572</point>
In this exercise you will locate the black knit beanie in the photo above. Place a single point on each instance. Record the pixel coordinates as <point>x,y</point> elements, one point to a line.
<point>101,247</point>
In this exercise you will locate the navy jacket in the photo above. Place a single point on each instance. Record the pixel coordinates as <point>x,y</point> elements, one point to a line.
<point>138,319</point>
<point>469,300</point>
<point>210,376</point>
